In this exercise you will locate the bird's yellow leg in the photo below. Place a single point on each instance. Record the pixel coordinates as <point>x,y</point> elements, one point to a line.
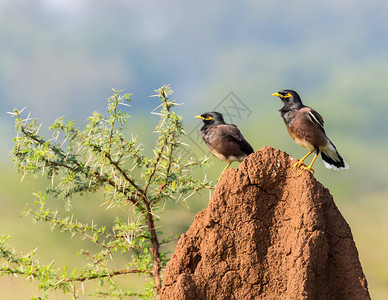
<point>300,162</point>
<point>224,171</point>
<point>309,168</point>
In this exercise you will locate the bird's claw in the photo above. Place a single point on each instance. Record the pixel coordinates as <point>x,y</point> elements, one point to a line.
<point>304,168</point>
<point>298,164</point>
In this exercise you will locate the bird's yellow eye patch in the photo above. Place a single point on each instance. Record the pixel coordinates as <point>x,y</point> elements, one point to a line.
<point>287,96</point>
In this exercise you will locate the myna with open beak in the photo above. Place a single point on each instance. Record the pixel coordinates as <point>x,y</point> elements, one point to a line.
<point>224,141</point>
<point>305,126</point>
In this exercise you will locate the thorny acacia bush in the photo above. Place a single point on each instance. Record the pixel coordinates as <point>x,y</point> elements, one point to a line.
<point>99,159</point>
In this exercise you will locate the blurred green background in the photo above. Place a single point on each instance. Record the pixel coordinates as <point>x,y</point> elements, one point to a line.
<point>62,57</point>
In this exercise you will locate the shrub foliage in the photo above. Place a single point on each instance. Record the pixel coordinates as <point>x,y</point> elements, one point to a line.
<point>100,159</point>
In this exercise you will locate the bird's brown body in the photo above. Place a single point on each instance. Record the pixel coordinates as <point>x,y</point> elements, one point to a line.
<point>226,142</point>
<point>306,133</point>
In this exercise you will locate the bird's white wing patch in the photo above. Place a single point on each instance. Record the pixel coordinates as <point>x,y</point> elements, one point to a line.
<point>313,118</point>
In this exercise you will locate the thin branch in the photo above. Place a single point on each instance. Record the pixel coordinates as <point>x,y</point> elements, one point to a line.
<point>155,165</point>
<point>112,128</point>
<point>167,174</point>
<point>121,272</point>
<point>34,273</point>
<point>125,175</point>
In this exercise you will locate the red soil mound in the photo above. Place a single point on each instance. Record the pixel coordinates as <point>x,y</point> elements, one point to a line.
<point>267,234</point>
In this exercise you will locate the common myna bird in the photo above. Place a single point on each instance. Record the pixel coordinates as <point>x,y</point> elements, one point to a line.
<point>224,141</point>
<point>305,126</point>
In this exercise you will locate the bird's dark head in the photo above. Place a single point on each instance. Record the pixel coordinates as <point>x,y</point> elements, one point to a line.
<point>211,118</point>
<point>290,99</point>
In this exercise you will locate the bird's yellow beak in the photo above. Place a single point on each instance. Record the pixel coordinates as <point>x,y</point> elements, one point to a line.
<point>276,95</point>
<point>200,117</point>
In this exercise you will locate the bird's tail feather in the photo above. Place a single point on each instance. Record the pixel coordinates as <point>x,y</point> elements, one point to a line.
<point>332,159</point>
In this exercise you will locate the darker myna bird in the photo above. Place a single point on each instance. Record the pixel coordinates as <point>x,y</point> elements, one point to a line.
<point>305,126</point>
<point>224,141</point>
